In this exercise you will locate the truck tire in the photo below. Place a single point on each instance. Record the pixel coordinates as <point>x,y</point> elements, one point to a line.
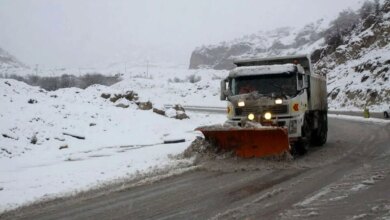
<point>320,136</point>
<point>386,115</point>
<point>301,146</point>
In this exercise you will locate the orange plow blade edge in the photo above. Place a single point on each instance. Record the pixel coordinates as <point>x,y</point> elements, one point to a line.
<point>249,142</point>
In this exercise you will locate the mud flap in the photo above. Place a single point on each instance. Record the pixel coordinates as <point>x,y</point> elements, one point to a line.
<point>249,142</point>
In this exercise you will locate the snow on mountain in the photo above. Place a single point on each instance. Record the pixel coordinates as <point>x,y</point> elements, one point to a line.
<point>281,41</point>
<point>9,64</point>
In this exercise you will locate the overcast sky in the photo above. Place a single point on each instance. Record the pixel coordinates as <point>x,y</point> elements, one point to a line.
<point>81,33</point>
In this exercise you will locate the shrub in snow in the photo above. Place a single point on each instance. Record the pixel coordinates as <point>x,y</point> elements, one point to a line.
<point>341,27</point>
<point>96,78</point>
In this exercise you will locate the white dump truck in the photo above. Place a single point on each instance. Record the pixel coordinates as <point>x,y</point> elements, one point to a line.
<point>283,96</point>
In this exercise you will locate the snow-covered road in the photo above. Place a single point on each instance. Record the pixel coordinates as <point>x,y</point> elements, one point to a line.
<point>59,143</point>
<point>347,178</point>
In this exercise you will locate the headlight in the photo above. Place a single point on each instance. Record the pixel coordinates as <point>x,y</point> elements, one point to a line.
<point>251,116</point>
<point>278,101</point>
<point>268,115</point>
<point>241,104</point>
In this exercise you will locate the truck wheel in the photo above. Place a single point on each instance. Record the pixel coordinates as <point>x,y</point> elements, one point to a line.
<point>300,147</point>
<point>386,115</point>
<point>320,136</point>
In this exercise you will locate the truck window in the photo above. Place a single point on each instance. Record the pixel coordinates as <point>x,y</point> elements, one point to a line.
<point>278,84</point>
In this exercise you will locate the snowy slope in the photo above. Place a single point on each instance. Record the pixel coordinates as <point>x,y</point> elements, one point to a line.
<point>119,143</point>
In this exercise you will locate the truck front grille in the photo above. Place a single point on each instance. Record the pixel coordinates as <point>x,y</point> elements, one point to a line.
<point>274,109</point>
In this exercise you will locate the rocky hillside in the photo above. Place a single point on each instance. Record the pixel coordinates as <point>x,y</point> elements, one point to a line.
<point>353,51</point>
<point>281,41</point>
<point>357,61</point>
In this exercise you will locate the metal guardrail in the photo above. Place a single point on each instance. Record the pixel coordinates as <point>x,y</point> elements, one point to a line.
<point>194,108</point>
<point>222,110</point>
<point>358,113</point>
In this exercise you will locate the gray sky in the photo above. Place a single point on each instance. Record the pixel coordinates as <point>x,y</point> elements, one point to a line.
<point>84,33</point>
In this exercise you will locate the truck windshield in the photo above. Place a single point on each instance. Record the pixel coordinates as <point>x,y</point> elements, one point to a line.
<point>278,84</point>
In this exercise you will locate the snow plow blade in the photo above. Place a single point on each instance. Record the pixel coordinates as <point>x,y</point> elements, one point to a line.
<point>249,142</point>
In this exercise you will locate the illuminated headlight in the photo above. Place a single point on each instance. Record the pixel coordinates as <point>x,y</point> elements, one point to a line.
<point>268,116</point>
<point>278,101</point>
<point>292,127</point>
<point>241,104</point>
<point>251,116</point>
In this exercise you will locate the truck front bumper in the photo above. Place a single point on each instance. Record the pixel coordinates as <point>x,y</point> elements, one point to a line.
<point>293,124</point>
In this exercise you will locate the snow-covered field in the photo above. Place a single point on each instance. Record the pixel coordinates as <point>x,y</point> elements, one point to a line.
<point>39,159</point>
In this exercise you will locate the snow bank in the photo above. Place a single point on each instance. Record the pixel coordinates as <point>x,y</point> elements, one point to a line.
<point>106,141</point>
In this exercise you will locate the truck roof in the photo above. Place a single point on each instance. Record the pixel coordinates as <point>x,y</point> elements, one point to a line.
<point>262,70</point>
<point>303,60</point>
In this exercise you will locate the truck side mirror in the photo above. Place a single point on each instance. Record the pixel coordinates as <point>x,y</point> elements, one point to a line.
<point>224,91</point>
<point>302,81</point>
<point>306,81</point>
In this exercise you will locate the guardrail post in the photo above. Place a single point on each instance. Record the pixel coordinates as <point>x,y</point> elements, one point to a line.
<point>366,112</point>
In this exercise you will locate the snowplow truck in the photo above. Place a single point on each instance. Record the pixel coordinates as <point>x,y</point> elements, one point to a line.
<point>275,105</point>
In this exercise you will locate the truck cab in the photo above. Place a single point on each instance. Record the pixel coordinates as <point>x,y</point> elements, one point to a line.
<point>281,92</point>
